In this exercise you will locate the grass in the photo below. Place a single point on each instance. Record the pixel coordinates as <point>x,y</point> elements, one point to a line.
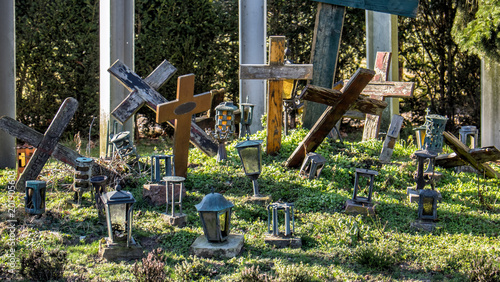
<point>336,246</point>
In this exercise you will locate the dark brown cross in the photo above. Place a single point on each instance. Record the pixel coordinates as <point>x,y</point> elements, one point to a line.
<point>379,88</point>
<point>333,113</point>
<point>144,91</point>
<point>182,110</point>
<point>275,72</point>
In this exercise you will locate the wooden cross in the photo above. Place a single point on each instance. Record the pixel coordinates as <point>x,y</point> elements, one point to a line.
<point>379,88</point>
<point>275,73</point>
<point>391,138</point>
<point>327,36</point>
<point>182,110</point>
<point>333,113</point>
<point>144,91</point>
<point>463,154</point>
<point>47,145</point>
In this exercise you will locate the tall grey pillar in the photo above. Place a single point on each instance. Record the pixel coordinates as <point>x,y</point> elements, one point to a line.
<point>382,36</point>
<point>253,51</point>
<point>490,103</point>
<point>8,80</point>
<point>116,41</point>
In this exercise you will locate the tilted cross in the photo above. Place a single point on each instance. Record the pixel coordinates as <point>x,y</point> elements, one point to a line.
<point>144,91</point>
<point>334,112</point>
<point>327,37</point>
<point>275,72</point>
<point>47,145</point>
<point>379,88</point>
<point>182,110</point>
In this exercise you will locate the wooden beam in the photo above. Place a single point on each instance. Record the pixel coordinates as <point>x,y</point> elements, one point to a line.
<point>405,8</point>
<point>391,138</point>
<point>481,155</point>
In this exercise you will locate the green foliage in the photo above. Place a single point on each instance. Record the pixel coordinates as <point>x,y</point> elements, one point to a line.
<point>251,274</point>
<point>292,273</point>
<point>484,268</point>
<point>191,270</point>
<point>381,254</point>
<point>40,265</point>
<point>152,268</point>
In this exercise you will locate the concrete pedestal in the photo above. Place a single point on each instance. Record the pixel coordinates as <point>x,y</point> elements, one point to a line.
<point>413,195</point>
<point>283,242</point>
<point>154,194</point>
<point>227,249</point>
<point>425,225</point>
<point>354,208</point>
<point>119,250</point>
<point>178,219</point>
<point>261,201</point>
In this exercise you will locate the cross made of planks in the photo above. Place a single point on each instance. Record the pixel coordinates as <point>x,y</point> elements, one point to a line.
<point>327,36</point>
<point>182,110</point>
<point>338,103</point>
<point>47,144</point>
<point>144,91</point>
<point>275,72</point>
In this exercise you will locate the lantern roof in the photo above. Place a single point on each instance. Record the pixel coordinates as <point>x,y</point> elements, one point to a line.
<point>226,106</point>
<point>249,143</point>
<point>84,160</point>
<point>117,197</point>
<point>425,154</point>
<point>213,202</point>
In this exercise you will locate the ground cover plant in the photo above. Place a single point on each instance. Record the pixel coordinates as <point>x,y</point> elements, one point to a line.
<point>336,246</point>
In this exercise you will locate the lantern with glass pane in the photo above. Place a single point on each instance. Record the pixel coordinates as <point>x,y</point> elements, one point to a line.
<point>251,158</point>
<point>119,216</point>
<point>215,214</point>
<point>224,127</point>
<point>246,112</point>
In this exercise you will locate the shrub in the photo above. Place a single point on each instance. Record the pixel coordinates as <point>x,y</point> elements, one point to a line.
<point>484,268</point>
<point>251,274</point>
<point>382,254</point>
<point>152,267</point>
<point>39,265</point>
<point>189,271</point>
<point>291,272</point>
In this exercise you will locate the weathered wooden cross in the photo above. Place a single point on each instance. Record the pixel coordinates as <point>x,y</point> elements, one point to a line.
<point>338,103</point>
<point>143,91</point>
<point>275,72</point>
<point>182,110</point>
<point>463,155</point>
<point>47,145</point>
<point>379,88</point>
<point>327,36</point>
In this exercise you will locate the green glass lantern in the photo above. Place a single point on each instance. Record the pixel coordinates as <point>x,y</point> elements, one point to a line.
<point>119,214</point>
<point>250,153</point>
<point>215,214</point>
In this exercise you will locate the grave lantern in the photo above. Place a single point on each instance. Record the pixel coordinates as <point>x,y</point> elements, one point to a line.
<point>173,218</point>
<point>215,214</point>
<point>99,184</point>
<point>370,174</point>
<point>272,212</point>
<point>246,111</point>
<point>422,156</point>
<point>251,158</point>
<point>35,197</point>
<point>427,204</point>
<point>312,166</point>
<point>119,212</point>
<point>466,132</point>
<point>224,127</point>
<point>420,134</point>
<point>435,125</point>
<point>82,175</point>
<point>156,169</point>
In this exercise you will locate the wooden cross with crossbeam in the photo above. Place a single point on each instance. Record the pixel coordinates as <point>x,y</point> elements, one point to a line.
<point>327,37</point>
<point>47,144</point>
<point>338,104</point>
<point>182,110</point>
<point>379,88</point>
<point>275,72</point>
<point>144,91</point>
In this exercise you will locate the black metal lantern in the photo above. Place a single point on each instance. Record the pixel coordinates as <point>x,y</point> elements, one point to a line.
<point>312,166</point>
<point>224,127</point>
<point>119,212</point>
<point>215,214</point>
<point>370,174</point>
<point>99,184</point>
<point>246,111</point>
<point>427,204</point>
<point>35,197</point>
<point>422,156</point>
<point>251,158</point>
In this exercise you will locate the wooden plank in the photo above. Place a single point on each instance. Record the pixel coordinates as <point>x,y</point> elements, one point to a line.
<point>481,155</point>
<point>331,97</point>
<point>160,75</point>
<point>277,72</point>
<point>464,153</point>
<point>330,117</point>
<point>405,8</point>
<point>391,138</point>
<point>324,55</point>
<point>391,89</point>
<point>48,143</point>
<point>275,97</point>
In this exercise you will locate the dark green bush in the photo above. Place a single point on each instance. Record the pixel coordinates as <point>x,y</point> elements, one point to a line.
<point>39,265</point>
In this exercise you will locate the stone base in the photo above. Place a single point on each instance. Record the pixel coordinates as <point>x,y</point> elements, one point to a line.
<point>413,195</point>
<point>283,242</point>
<point>227,249</point>
<point>260,201</point>
<point>354,208</point>
<point>154,194</point>
<point>178,219</point>
<point>425,225</point>
<point>119,251</point>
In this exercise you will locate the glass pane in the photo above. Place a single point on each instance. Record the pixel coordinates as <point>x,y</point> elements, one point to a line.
<point>118,216</point>
<point>428,203</point>
<point>250,159</point>
<point>210,219</point>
